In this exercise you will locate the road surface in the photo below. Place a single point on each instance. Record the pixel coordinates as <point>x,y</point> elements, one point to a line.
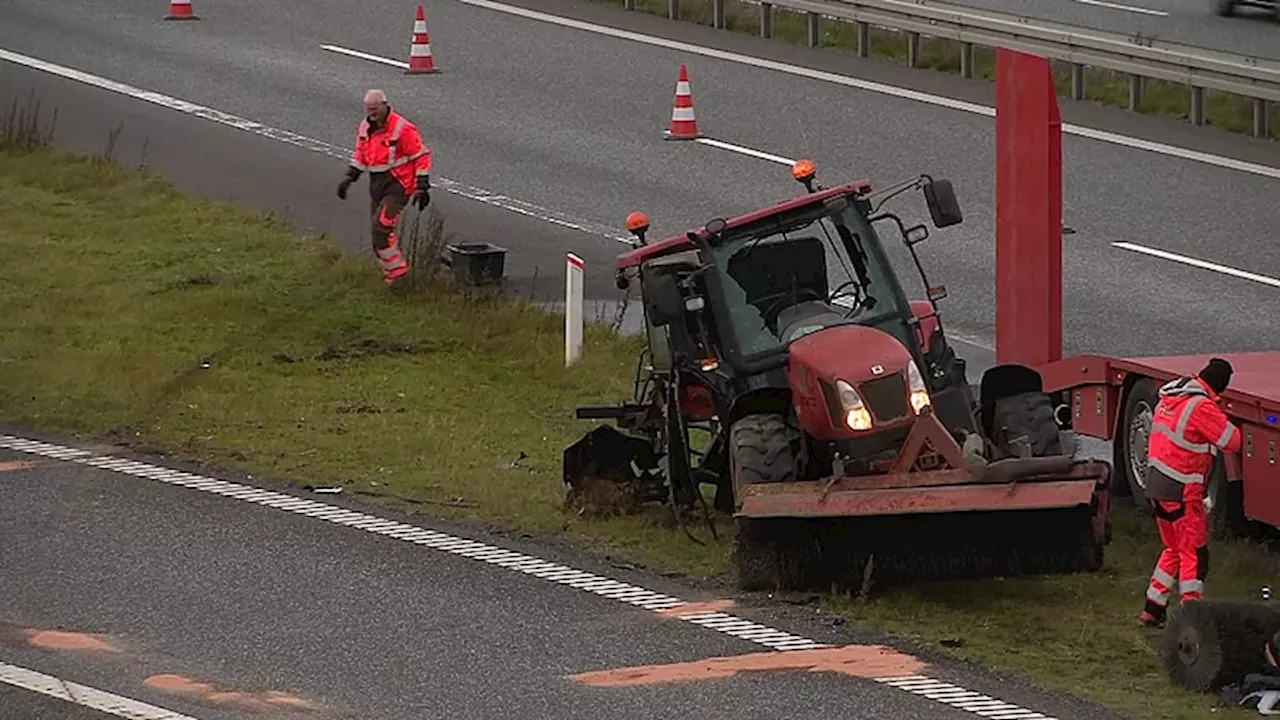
<point>570,120</point>
<point>1194,22</point>
<point>213,602</point>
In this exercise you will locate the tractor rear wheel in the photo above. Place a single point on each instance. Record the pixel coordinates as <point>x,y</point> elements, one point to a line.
<point>770,553</point>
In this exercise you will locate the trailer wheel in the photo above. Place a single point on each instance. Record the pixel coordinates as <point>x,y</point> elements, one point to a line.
<point>1131,440</point>
<point>1225,514</point>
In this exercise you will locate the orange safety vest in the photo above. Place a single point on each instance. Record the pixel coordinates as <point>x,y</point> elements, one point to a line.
<point>1186,427</point>
<point>395,147</point>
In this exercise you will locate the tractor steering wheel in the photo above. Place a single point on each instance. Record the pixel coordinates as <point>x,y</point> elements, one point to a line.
<point>770,307</point>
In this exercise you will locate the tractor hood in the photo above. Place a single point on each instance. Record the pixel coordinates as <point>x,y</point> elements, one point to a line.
<point>872,363</point>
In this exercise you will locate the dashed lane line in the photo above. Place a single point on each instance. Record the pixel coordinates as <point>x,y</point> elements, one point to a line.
<point>772,638</point>
<point>460,189</point>
<point>84,695</point>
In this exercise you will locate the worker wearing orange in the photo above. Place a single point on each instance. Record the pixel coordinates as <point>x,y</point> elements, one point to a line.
<point>1187,430</point>
<point>389,147</point>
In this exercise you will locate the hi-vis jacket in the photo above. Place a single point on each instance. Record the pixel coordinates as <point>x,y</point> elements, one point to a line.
<point>394,146</point>
<point>1186,426</point>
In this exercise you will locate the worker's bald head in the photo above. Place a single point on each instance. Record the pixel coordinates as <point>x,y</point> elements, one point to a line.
<point>375,105</point>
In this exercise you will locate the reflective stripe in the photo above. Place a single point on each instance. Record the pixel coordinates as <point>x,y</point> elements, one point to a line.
<point>1226,435</point>
<point>1157,597</point>
<point>1178,436</point>
<point>1163,578</point>
<point>1192,586</point>
<point>1184,478</point>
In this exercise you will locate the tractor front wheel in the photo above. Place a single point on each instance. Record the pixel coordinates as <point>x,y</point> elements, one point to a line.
<point>770,553</point>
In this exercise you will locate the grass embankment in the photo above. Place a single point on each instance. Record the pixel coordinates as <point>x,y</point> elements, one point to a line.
<point>118,291</point>
<point>1158,97</point>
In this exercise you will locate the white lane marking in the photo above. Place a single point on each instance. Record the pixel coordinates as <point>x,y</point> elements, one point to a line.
<point>1203,264</point>
<point>745,151</point>
<point>319,146</point>
<point>1127,8</point>
<point>84,695</point>
<point>721,622</point>
<point>938,100</point>
<point>365,56</point>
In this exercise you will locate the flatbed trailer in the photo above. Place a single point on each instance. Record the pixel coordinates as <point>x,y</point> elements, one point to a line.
<point>1110,398</point>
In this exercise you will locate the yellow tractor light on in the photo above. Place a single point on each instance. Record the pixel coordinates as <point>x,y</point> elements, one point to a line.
<point>856,415</point>
<point>919,392</point>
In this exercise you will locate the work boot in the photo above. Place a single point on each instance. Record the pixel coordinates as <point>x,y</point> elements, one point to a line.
<point>1146,618</point>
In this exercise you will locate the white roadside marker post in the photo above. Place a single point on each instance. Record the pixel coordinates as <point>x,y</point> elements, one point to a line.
<point>572,309</point>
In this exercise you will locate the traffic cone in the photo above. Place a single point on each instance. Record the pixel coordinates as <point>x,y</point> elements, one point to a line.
<point>420,60</point>
<point>180,10</point>
<point>683,125</point>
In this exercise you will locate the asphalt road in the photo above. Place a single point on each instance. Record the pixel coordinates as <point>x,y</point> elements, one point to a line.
<point>571,120</point>
<point>1251,31</point>
<point>177,587</point>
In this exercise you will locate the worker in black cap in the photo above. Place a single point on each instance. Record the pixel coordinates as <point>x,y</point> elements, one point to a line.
<point>1187,430</point>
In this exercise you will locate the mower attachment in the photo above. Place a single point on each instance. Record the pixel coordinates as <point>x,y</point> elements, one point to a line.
<point>1008,517</point>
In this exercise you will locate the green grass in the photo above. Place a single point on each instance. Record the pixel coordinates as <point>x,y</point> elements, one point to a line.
<point>1232,113</point>
<point>118,290</point>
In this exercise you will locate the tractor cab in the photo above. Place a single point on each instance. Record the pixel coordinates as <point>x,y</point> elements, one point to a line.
<point>730,302</point>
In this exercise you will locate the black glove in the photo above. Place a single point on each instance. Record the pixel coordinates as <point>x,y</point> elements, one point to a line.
<point>422,198</point>
<point>351,176</point>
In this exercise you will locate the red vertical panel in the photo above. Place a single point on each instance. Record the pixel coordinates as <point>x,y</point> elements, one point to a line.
<point>1028,211</point>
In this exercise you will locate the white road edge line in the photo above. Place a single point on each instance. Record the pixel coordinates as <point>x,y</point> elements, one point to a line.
<point>1126,8</point>
<point>1202,264</point>
<point>724,623</point>
<point>938,100</point>
<point>365,56</point>
<point>318,146</point>
<point>84,695</point>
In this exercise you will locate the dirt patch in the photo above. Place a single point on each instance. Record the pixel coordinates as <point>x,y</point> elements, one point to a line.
<point>863,661</point>
<point>371,347</point>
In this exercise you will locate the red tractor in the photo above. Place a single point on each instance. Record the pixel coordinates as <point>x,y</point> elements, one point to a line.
<point>843,432</point>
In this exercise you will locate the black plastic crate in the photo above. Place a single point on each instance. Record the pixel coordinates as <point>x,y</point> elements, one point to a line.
<point>478,263</point>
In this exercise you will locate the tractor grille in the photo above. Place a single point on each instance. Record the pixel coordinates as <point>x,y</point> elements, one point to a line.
<point>887,397</point>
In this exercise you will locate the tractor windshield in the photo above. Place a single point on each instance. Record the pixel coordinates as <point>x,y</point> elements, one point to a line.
<point>793,274</point>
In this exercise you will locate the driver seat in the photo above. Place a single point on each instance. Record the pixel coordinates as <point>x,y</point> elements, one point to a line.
<point>780,264</point>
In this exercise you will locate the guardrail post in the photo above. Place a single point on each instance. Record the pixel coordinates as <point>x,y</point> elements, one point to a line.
<point>766,20</point>
<point>966,60</point>
<point>673,9</point>
<point>1196,111</point>
<point>1077,81</point>
<point>1259,117</point>
<point>1135,91</point>
<point>629,4</point>
<point>864,39</point>
<point>913,49</point>
<point>815,29</point>
<point>717,14</point>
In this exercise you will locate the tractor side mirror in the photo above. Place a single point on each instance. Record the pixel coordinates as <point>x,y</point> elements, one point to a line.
<point>662,300</point>
<point>944,207</point>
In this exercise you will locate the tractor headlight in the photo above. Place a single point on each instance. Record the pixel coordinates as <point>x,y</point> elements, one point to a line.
<point>856,415</point>
<point>919,392</point>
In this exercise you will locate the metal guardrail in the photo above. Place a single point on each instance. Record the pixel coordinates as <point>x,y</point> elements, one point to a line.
<point>1198,68</point>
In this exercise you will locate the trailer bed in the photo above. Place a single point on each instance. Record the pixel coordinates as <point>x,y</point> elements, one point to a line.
<point>1254,393</point>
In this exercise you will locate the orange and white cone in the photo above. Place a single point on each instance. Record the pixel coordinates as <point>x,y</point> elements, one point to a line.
<point>420,60</point>
<point>180,10</point>
<point>683,124</point>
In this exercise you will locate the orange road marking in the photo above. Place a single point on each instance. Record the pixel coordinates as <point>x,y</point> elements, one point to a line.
<point>63,640</point>
<point>864,661</point>
<point>267,700</point>
<point>691,608</point>
<point>16,465</point>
